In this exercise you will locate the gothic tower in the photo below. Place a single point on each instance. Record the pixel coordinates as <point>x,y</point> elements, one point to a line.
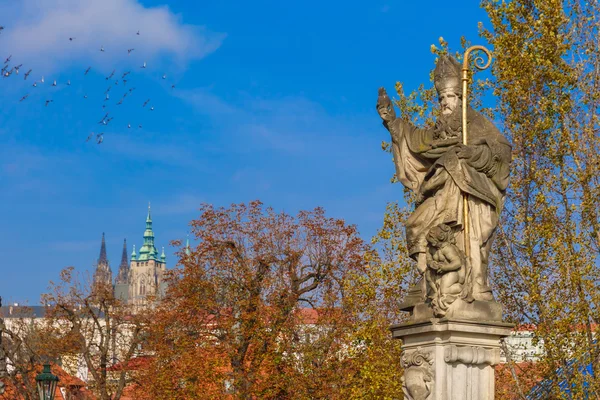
<point>147,270</point>
<point>103,273</point>
<point>122,281</point>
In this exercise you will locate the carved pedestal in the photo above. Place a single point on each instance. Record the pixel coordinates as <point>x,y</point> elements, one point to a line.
<point>450,359</point>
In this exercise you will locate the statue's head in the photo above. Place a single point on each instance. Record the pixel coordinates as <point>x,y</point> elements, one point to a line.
<point>447,81</point>
<point>439,234</point>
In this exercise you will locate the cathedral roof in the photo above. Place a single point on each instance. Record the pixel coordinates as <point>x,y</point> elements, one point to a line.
<point>148,250</point>
<point>124,266</point>
<point>103,259</point>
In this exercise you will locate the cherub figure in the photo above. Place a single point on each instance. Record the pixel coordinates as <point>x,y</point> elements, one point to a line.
<point>445,273</point>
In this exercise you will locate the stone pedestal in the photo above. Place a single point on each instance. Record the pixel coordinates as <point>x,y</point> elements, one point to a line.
<point>449,358</point>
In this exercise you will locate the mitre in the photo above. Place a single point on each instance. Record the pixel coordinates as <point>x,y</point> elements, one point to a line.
<point>447,74</point>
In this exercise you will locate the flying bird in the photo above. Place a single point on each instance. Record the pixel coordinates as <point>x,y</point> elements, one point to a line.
<point>17,68</point>
<point>85,96</point>
<point>145,103</point>
<point>103,119</point>
<point>129,126</point>
<point>42,81</point>
<point>107,90</point>
<point>68,83</point>
<point>7,60</point>
<point>1,29</point>
<point>71,39</point>
<point>87,70</point>
<point>34,84</point>
<point>111,75</point>
<point>140,126</point>
<point>27,74</point>
<point>8,73</point>
<point>138,33</point>
<point>125,74</point>
<point>54,83</point>
<point>129,51</point>
<point>152,108</point>
<point>48,102</point>
<point>172,86</point>
<point>102,48</point>
<point>131,90</point>
<point>107,97</point>
<point>89,137</point>
<point>100,137</point>
<point>124,82</point>
<point>120,102</point>
<point>164,76</point>
<point>24,97</point>
<point>143,66</point>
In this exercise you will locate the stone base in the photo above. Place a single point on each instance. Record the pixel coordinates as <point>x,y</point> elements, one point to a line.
<point>450,359</point>
<point>460,309</point>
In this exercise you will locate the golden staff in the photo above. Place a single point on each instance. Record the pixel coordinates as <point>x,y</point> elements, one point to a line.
<point>479,64</point>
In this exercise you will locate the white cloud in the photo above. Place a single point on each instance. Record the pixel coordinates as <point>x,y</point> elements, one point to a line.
<point>37,33</point>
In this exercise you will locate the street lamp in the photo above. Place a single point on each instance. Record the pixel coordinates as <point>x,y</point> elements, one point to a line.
<point>46,383</point>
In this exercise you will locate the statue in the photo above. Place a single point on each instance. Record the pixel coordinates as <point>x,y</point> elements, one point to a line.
<point>459,180</point>
<point>445,275</point>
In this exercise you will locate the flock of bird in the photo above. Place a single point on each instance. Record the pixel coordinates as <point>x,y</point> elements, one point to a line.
<point>7,71</point>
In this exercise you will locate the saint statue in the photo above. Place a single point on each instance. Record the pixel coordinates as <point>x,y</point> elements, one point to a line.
<point>442,171</point>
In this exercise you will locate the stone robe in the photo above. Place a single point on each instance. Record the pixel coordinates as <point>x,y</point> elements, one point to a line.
<point>440,177</point>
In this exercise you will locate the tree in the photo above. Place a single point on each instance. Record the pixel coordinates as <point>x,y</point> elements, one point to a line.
<point>546,84</point>
<point>259,309</point>
<point>89,323</point>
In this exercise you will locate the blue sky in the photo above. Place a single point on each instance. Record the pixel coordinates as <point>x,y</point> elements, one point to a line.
<point>272,101</point>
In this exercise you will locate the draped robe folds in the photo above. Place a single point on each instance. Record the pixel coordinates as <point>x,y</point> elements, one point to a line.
<point>440,178</point>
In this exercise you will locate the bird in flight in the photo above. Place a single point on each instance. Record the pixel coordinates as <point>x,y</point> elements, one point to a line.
<point>152,108</point>
<point>164,76</point>
<point>107,90</point>
<point>124,82</point>
<point>42,81</point>
<point>69,83</point>
<point>143,66</point>
<point>140,126</point>
<point>87,70</point>
<point>120,102</point>
<point>138,33</point>
<point>34,84</point>
<point>8,73</point>
<point>27,74</point>
<point>8,59</point>
<point>1,29</point>
<point>17,68</point>
<point>100,137</point>
<point>48,102</point>
<point>173,86</point>
<point>54,83</point>
<point>71,39</point>
<point>111,75</point>
<point>89,137</point>
<point>129,51</point>
<point>103,119</point>
<point>24,97</point>
<point>102,48</point>
<point>145,103</point>
<point>107,97</point>
<point>125,74</point>
<point>129,126</point>
<point>85,96</point>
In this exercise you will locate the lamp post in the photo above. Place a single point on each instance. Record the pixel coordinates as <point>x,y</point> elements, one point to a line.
<point>46,383</point>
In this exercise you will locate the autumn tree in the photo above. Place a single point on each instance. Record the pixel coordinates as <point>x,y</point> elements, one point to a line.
<point>90,324</point>
<point>545,80</point>
<point>264,306</point>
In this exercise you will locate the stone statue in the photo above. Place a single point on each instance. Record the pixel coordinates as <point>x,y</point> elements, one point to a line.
<point>445,174</point>
<point>445,275</point>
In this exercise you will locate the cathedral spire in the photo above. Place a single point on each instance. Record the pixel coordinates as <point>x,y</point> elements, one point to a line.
<point>103,273</point>
<point>103,259</point>
<point>148,251</point>
<point>124,266</point>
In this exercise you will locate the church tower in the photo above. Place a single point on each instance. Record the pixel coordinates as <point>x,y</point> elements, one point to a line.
<point>122,281</point>
<point>103,273</point>
<point>147,270</point>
